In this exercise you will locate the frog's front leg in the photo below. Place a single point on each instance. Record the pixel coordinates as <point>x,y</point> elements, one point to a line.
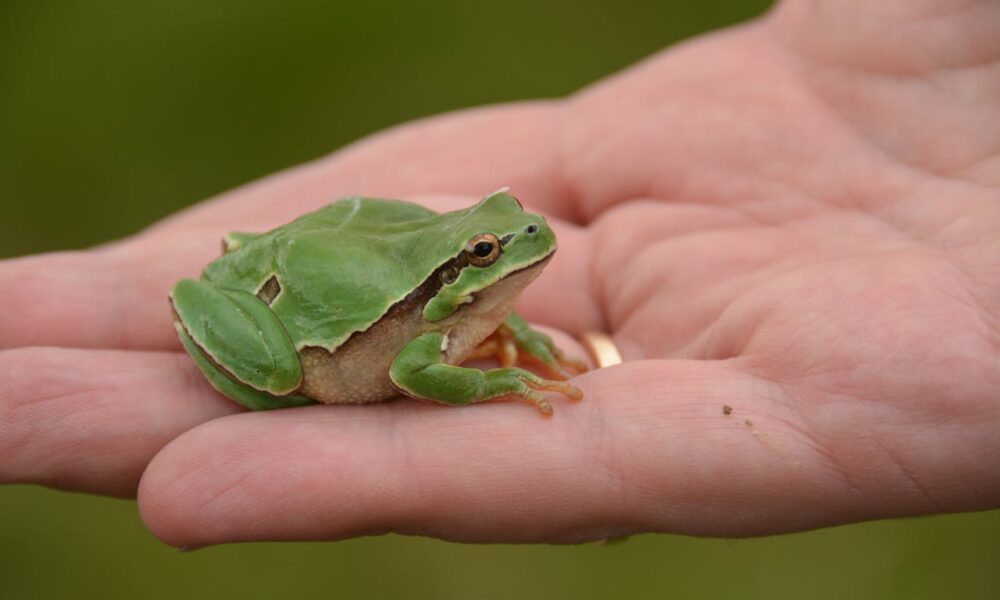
<point>419,371</point>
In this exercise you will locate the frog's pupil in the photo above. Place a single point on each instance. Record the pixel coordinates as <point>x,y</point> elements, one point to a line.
<point>483,249</point>
<point>531,229</point>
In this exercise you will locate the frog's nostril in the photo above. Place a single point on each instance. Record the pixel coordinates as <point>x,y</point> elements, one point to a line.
<point>531,229</point>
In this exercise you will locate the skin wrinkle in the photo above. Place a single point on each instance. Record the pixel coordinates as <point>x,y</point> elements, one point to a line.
<point>798,423</point>
<point>777,395</point>
<point>766,269</point>
<point>978,309</point>
<point>608,455</point>
<point>623,317</point>
<point>944,172</point>
<point>221,492</point>
<point>776,442</point>
<point>824,445</point>
<point>393,493</point>
<point>22,449</point>
<point>578,103</point>
<point>700,346</point>
<point>825,450</point>
<point>455,499</point>
<point>49,462</point>
<point>415,477</point>
<point>67,431</point>
<point>981,309</point>
<point>412,483</point>
<point>929,35</point>
<point>803,65</point>
<point>950,11</point>
<point>834,455</point>
<point>847,125</point>
<point>908,475</point>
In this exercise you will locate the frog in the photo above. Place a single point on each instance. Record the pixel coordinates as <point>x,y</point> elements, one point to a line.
<point>368,299</point>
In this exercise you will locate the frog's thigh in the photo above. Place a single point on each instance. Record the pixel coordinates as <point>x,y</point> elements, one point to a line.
<point>247,396</point>
<point>240,334</point>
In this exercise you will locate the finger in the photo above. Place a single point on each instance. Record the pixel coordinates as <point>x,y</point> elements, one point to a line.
<point>91,420</point>
<point>111,297</point>
<point>116,296</point>
<point>649,448</point>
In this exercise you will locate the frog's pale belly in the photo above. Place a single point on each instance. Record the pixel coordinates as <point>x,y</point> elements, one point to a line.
<point>358,371</point>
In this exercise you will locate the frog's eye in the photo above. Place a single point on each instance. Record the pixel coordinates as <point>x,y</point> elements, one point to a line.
<point>483,250</point>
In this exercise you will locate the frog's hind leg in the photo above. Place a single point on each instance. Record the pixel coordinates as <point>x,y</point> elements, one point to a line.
<point>239,344</point>
<point>499,345</point>
<point>232,389</point>
<point>515,342</point>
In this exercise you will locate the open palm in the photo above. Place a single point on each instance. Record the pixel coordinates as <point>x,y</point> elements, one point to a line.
<point>793,237</point>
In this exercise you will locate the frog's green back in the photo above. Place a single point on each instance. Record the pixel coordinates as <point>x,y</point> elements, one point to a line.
<point>343,266</point>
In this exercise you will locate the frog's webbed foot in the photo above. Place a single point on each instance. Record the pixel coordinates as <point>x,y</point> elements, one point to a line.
<point>538,399</point>
<point>515,342</point>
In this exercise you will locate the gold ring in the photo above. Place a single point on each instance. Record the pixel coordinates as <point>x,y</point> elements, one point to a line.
<point>601,348</point>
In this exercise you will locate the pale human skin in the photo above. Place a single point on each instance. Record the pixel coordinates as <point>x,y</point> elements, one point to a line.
<point>798,218</point>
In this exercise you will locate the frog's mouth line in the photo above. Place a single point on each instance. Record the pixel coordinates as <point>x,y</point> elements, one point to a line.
<point>541,262</point>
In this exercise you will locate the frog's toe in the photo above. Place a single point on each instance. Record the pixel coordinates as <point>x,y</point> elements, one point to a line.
<point>570,366</point>
<point>538,348</point>
<point>535,387</point>
<point>557,364</point>
<point>540,401</point>
<point>560,387</point>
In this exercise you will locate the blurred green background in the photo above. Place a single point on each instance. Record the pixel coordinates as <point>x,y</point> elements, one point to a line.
<point>114,113</point>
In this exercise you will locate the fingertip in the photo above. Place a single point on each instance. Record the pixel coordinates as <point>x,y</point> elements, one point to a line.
<point>164,488</point>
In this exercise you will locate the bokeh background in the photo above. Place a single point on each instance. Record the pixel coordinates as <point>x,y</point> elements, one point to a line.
<point>114,113</point>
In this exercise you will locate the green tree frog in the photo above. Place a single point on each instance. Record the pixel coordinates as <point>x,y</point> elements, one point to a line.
<point>366,298</point>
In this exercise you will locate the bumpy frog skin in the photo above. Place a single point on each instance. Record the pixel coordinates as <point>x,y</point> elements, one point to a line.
<point>365,299</point>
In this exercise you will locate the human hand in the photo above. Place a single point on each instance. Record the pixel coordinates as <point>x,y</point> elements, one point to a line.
<point>796,225</point>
